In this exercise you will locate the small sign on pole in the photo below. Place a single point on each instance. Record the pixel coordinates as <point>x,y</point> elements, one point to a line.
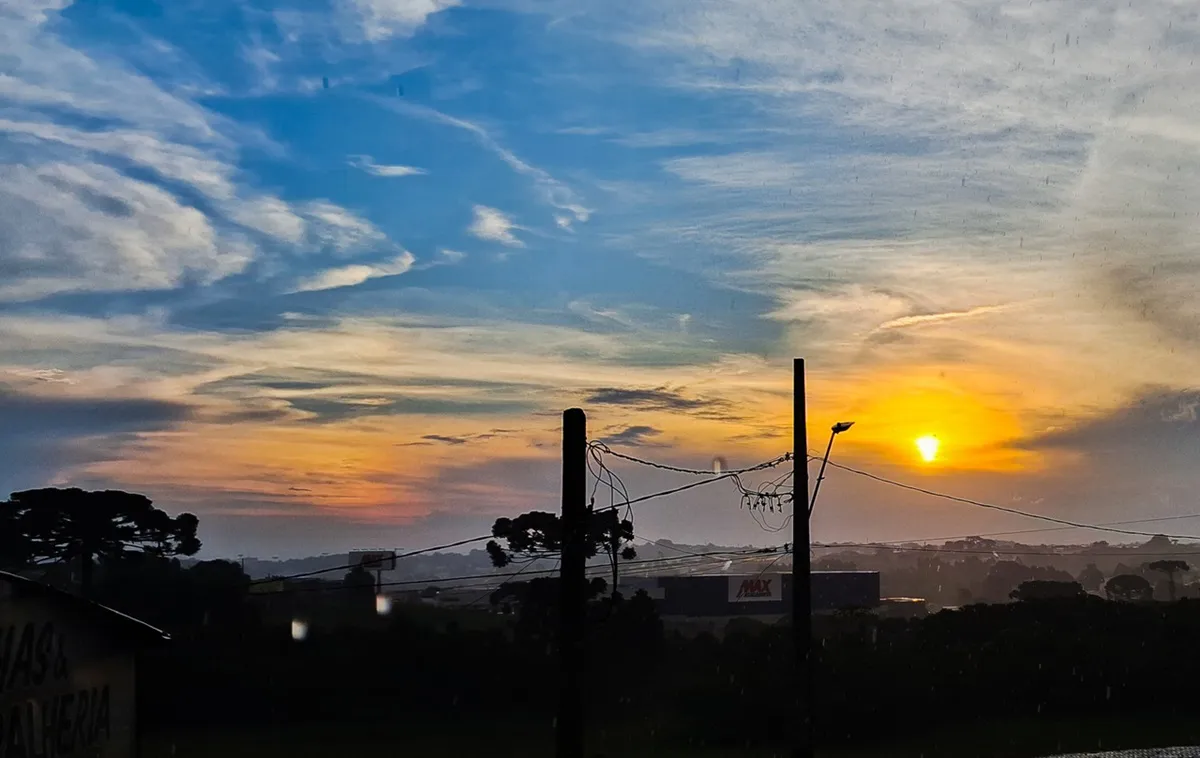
<point>378,561</point>
<point>374,560</point>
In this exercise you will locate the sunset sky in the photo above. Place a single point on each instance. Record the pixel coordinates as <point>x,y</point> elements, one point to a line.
<point>327,272</point>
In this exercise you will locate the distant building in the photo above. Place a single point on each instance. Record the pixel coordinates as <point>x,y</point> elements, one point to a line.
<point>902,607</point>
<point>709,602</point>
<point>68,673</point>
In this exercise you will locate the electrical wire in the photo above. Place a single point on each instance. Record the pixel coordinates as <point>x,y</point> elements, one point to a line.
<point>682,561</point>
<point>695,471</point>
<point>767,498</point>
<point>665,493</point>
<point>507,580</point>
<point>757,501</point>
<point>347,567</point>
<point>1036,531</point>
<point>985,551</point>
<point>1006,509</point>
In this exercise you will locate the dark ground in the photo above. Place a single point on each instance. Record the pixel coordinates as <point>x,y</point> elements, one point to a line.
<point>1027,739</point>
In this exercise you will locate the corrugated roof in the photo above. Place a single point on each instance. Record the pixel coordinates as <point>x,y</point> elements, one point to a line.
<point>127,624</point>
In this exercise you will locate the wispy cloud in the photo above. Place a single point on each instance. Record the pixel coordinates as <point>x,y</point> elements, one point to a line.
<point>938,318</point>
<point>660,397</point>
<point>443,257</point>
<point>340,229</point>
<point>632,436</point>
<point>383,19</point>
<point>928,160</point>
<point>554,192</point>
<point>348,276</point>
<point>84,226</point>
<point>492,225</point>
<point>114,183</point>
<point>368,165</point>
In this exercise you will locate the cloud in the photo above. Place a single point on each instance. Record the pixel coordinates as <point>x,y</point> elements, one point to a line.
<point>43,437</point>
<point>188,164</point>
<point>340,229</point>
<point>739,170</point>
<point>445,439</point>
<point>84,226</point>
<point>1158,419</point>
<point>918,319</point>
<point>61,416</point>
<point>309,226</point>
<point>632,436</point>
<point>348,276</point>
<point>661,398</point>
<point>1139,454</point>
<point>366,163</point>
<point>492,225</point>
<point>940,160</point>
<point>273,217</point>
<point>554,192</point>
<point>383,19</point>
<point>113,182</point>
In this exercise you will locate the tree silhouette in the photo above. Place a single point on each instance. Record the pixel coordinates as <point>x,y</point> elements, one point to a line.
<point>1092,578</point>
<point>1005,576</point>
<point>360,586</point>
<point>1046,589</point>
<point>66,524</point>
<point>537,534</point>
<point>1128,588</point>
<point>1170,567</point>
<point>536,603</point>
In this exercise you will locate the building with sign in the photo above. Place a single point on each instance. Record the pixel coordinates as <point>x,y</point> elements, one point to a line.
<point>67,673</point>
<point>719,598</point>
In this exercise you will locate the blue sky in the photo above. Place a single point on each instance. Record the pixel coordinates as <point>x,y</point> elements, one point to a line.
<point>327,272</point>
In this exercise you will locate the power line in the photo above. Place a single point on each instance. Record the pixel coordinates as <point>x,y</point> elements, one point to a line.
<point>764,493</point>
<point>1006,509</point>
<point>984,551</point>
<point>664,493</point>
<point>507,579</point>
<point>694,471</point>
<point>681,561</point>
<point>669,546</point>
<point>349,566</point>
<point>1036,531</point>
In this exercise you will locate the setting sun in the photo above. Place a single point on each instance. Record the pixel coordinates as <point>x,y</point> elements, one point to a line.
<point>928,447</point>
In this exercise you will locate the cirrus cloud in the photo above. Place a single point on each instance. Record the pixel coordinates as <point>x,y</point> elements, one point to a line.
<point>492,225</point>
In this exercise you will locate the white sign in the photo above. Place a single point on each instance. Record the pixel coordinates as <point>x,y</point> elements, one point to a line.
<point>374,560</point>
<point>762,588</point>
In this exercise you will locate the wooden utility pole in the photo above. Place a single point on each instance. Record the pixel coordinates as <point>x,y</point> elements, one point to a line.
<point>615,549</point>
<point>573,586</point>
<point>802,746</point>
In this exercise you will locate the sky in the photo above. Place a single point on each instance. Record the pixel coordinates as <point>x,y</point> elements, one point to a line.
<point>327,272</point>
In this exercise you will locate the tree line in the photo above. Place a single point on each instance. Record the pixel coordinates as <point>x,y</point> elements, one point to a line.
<point>1052,654</point>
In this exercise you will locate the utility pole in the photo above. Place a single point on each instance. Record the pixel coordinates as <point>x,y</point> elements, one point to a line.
<point>614,547</point>
<point>802,746</point>
<point>573,586</point>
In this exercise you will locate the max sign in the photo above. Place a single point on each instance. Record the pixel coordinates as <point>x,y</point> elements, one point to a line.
<point>752,589</point>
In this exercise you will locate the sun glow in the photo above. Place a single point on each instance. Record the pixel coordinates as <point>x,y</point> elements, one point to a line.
<point>927,446</point>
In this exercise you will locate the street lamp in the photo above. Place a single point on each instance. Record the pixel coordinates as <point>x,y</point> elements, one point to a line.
<point>837,429</point>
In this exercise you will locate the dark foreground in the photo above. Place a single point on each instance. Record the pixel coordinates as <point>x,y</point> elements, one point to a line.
<point>1032,678</point>
<point>1020,739</point>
